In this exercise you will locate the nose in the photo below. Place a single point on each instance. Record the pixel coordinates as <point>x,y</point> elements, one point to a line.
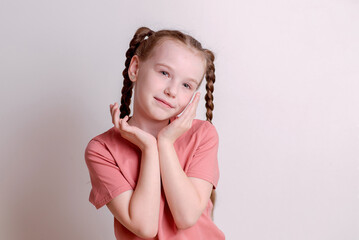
<point>171,90</point>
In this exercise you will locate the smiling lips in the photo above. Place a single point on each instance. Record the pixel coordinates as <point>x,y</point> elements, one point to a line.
<point>164,102</point>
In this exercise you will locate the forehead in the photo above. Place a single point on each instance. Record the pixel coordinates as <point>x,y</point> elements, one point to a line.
<point>180,57</point>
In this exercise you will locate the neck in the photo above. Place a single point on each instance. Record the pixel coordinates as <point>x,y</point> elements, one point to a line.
<point>147,125</point>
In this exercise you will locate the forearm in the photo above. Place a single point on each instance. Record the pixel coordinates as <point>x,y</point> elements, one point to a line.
<point>182,197</point>
<point>145,200</point>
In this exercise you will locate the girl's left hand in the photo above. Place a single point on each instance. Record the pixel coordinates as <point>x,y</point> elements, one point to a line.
<point>180,125</point>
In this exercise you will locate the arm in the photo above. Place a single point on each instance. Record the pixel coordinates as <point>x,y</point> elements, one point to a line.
<point>187,197</point>
<point>138,210</point>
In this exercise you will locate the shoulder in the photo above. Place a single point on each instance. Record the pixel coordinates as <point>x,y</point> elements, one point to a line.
<point>203,127</point>
<point>200,131</point>
<point>105,137</point>
<point>108,140</point>
<point>97,144</point>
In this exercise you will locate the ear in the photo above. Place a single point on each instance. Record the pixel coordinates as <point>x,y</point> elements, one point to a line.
<point>133,68</point>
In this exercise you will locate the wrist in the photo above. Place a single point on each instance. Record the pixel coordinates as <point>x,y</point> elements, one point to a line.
<point>164,141</point>
<point>149,146</point>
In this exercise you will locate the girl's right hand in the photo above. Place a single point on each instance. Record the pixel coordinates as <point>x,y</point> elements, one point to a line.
<point>133,134</point>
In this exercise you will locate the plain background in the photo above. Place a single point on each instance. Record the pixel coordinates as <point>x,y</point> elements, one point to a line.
<point>286,110</point>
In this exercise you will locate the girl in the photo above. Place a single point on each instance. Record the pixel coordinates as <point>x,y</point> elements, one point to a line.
<point>156,170</point>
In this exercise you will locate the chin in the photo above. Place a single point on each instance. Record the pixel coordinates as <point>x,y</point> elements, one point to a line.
<point>166,115</point>
<point>160,117</point>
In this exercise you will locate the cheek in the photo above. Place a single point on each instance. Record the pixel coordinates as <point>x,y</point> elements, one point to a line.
<point>184,104</point>
<point>186,101</point>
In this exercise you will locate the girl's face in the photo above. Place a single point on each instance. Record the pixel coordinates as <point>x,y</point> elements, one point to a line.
<point>166,81</point>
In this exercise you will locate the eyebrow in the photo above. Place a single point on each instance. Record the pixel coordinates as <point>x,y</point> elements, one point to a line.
<point>167,66</point>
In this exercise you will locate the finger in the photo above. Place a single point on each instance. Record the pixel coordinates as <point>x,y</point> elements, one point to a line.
<point>192,107</point>
<point>173,118</point>
<point>197,97</point>
<point>111,112</point>
<point>124,124</point>
<point>116,110</point>
<point>113,115</point>
<point>115,106</point>
<point>195,103</point>
<point>116,118</point>
<point>112,108</point>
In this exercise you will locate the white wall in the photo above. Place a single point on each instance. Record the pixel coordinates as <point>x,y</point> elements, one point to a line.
<point>286,110</point>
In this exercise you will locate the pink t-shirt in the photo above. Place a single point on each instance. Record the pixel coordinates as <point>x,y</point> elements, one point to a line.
<point>114,163</point>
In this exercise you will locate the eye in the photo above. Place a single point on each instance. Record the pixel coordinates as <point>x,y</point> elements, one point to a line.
<point>186,85</point>
<point>165,73</point>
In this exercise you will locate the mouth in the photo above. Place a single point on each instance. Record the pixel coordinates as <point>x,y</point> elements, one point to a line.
<point>164,103</point>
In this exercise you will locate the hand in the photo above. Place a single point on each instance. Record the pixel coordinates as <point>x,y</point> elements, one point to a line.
<point>180,125</point>
<point>133,134</point>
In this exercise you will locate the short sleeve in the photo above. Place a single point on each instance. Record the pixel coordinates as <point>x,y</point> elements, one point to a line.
<point>204,163</point>
<point>106,178</point>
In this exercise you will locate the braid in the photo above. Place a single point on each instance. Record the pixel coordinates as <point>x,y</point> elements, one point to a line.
<point>210,78</point>
<point>126,91</point>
